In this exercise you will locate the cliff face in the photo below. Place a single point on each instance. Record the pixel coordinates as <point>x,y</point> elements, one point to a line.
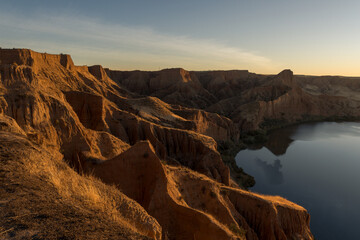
<point>34,60</point>
<point>249,99</point>
<point>144,179</point>
<point>296,105</point>
<point>162,155</point>
<point>191,206</point>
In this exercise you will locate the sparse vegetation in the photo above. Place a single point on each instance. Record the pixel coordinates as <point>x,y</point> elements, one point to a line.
<point>212,194</point>
<point>224,192</point>
<point>203,206</point>
<point>272,123</point>
<point>228,151</point>
<point>239,231</point>
<point>84,189</point>
<point>254,137</point>
<point>48,195</point>
<point>203,189</point>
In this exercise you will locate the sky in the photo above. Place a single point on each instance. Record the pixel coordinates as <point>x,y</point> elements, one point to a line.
<point>317,37</point>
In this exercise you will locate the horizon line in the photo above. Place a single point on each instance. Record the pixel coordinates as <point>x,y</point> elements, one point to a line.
<point>167,68</point>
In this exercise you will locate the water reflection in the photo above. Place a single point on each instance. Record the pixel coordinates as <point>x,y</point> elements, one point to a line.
<point>278,141</point>
<point>316,166</point>
<point>272,171</point>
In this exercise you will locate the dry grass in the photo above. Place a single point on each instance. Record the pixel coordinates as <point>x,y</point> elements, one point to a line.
<point>42,197</point>
<point>80,190</point>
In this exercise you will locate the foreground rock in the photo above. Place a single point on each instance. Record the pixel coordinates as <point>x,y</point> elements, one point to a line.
<point>189,205</point>
<point>43,198</point>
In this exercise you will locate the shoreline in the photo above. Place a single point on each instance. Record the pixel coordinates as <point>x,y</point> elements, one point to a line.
<point>229,149</point>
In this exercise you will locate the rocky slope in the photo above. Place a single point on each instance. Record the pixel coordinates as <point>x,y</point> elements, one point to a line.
<point>249,99</point>
<point>43,198</point>
<point>191,206</point>
<point>162,155</point>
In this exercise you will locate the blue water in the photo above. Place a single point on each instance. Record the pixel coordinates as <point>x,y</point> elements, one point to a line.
<point>316,166</point>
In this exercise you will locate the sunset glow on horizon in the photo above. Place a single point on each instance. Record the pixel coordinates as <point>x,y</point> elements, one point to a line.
<point>308,37</point>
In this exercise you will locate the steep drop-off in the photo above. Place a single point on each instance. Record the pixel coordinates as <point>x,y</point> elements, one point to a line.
<point>60,122</point>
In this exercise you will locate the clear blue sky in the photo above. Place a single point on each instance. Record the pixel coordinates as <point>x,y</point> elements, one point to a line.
<point>310,37</point>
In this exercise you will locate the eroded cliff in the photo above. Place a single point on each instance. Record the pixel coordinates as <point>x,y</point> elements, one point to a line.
<point>251,100</point>
<point>162,155</point>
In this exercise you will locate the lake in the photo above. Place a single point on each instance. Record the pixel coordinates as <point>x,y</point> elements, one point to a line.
<point>316,166</point>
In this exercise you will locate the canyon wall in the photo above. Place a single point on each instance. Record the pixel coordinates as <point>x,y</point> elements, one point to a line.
<point>154,136</point>
<point>250,99</point>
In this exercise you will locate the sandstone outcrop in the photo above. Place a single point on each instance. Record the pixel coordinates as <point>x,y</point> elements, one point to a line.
<point>152,135</point>
<point>74,115</point>
<point>189,205</point>
<point>250,99</point>
<point>175,86</point>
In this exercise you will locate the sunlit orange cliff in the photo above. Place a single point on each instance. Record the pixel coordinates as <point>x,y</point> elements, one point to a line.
<point>92,153</point>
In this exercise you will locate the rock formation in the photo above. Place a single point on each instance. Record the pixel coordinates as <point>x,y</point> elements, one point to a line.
<point>192,206</point>
<point>152,136</point>
<point>249,99</point>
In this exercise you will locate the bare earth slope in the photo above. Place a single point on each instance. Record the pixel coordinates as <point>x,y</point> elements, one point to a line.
<point>43,198</point>
<point>60,122</point>
<point>250,99</point>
